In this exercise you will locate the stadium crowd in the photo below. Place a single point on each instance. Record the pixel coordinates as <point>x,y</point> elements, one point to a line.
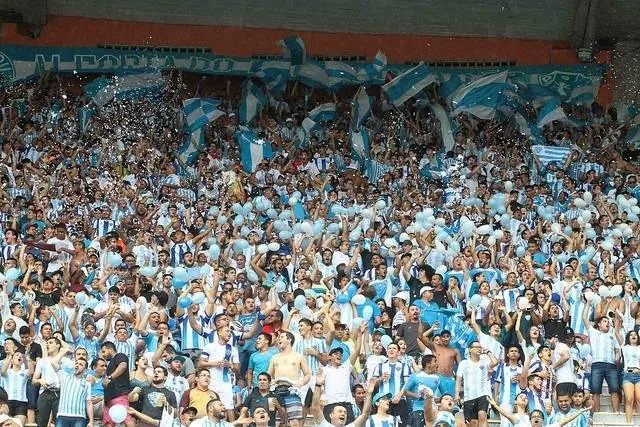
<point>455,286</point>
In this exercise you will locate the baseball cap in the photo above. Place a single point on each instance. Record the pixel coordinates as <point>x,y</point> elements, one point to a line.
<point>568,332</point>
<point>425,289</point>
<point>380,395</point>
<point>380,331</point>
<point>190,409</point>
<point>444,419</point>
<point>404,295</point>
<point>335,350</point>
<point>180,359</point>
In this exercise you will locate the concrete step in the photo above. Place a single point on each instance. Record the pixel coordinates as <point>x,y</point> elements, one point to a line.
<point>604,417</point>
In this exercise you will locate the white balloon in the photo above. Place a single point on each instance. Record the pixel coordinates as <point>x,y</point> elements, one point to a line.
<point>440,222</point>
<point>428,212</point>
<point>615,290</point>
<point>603,291</point>
<point>556,228</point>
<point>508,186</point>
<point>498,234</point>
<point>491,241</point>
<point>380,204</point>
<point>633,201</point>
<point>587,196</point>
<point>523,303</point>
<point>606,245</point>
<point>586,215</point>
<point>596,299</point>
<point>579,203</point>
<point>588,295</point>
<point>483,230</point>
<point>263,249</point>
<point>274,247</point>
<point>390,242</point>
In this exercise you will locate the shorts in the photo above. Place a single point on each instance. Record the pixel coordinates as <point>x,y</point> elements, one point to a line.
<point>17,407</point>
<point>225,393</point>
<point>120,400</point>
<point>33,391</point>
<point>602,371</point>
<point>447,385</point>
<point>472,407</point>
<point>630,377</point>
<point>293,406</point>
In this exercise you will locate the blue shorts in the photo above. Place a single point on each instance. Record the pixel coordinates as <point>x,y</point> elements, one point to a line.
<point>602,371</point>
<point>630,377</point>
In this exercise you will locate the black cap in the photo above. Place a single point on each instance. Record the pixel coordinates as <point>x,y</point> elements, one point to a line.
<point>190,409</point>
<point>335,350</point>
<point>569,332</point>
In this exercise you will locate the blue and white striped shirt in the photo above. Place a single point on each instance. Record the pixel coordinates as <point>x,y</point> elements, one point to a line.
<point>508,389</point>
<point>399,373</point>
<point>75,394</point>
<point>318,344</point>
<point>15,384</point>
<point>603,346</point>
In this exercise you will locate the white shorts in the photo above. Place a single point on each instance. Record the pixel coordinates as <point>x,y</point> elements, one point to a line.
<point>225,391</point>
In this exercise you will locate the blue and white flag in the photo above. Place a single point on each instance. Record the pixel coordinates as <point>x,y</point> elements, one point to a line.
<point>408,84</point>
<point>449,84</point>
<point>54,114</point>
<point>360,145</point>
<point>374,170</point>
<point>190,149</point>
<point>92,88</point>
<point>293,49</point>
<point>311,74</point>
<point>84,118</point>
<point>253,150</point>
<point>323,112</point>
<point>550,112</point>
<point>373,73</point>
<point>448,127</point>
<point>340,74</point>
<point>252,102</point>
<point>131,86</point>
<point>274,75</point>
<point>481,97</point>
<point>360,108</point>
<point>200,111</point>
<point>548,153</point>
<point>626,111</point>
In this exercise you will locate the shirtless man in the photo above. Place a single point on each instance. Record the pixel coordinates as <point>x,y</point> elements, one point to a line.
<point>446,357</point>
<point>289,366</point>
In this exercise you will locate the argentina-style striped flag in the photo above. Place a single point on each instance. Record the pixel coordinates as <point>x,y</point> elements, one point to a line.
<point>274,74</point>
<point>448,127</point>
<point>84,118</point>
<point>360,145</point>
<point>373,72</point>
<point>294,50</point>
<point>374,170</point>
<point>252,102</point>
<point>408,84</point>
<point>253,150</point>
<point>449,84</point>
<point>311,74</point>
<point>340,74</point>
<point>200,111</point>
<point>547,154</point>
<point>323,112</point>
<point>550,111</point>
<point>481,97</point>
<point>190,149</point>
<point>380,61</point>
<point>360,108</point>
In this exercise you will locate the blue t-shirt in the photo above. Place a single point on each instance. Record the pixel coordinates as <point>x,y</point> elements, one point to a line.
<point>414,383</point>
<point>259,362</point>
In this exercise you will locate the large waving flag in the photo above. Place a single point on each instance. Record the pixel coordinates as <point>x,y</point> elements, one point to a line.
<point>274,74</point>
<point>323,112</point>
<point>373,72</point>
<point>547,154</point>
<point>550,112</point>
<point>84,116</point>
<point>311,74</point>
<point>626,111</point>
<point>449,84</point>
<point>340,74</point>
<point>481,97</point>
<point>360,145</point>
<point>253,150</point>
<point>448,127</point>
<point>92,88</point>
<point>294,50</point>
<point>360,108</point>
<point>190,149</point>
<point>200,111</point>
<point>130,86</point>
<point>408,84</point>
<point>252,102</point>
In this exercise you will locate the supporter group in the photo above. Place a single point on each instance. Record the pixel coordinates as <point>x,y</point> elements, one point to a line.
<point>392,283</point>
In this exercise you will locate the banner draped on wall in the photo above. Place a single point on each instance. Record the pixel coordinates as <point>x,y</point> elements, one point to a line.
<point>575,84</point>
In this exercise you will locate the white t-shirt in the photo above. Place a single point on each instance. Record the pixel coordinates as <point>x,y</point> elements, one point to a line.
<point>60,258</point>
<point>48,374</point>
<point>337,386</point>
<point>564,372</point>
<point>217,351</point>
<point>475,377</point>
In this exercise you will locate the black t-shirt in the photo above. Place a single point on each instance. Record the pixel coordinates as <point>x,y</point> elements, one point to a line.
<point>409,331</point>
<point>35,351</point>
<point>257,400</point>
<point>118,386</point>
<point>149,400</point>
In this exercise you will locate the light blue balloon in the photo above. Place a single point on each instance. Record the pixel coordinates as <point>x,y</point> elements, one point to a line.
<point>367,312</point>
<point>539,273</point>
<point>198,298</point>
<point>148,271</point>
<point>240,245</point>
<point>222,219</point>
<point>467,229</point>
<point>333,228</point>
<point>247,207</point>
<point>342,299</point>
<point>214,251</point>
<point>178,284</point>
<point>568,230</point>
<point>285,234</point>
<point>236,208</point>
<point>318,227</point>
<point>114,259</point>
<point>185,301</point>
<point>272,213</point>
<point>281,286</point>
<point>92,303</point>
<point>385,340</point>
<point>475,300</point>
<point>300,302</point>
<point>238,220</point>
<point>118,413</point>
<point>285,214</point>
<point>81,298</point>
<point>279,224</point>
<point>520,251</point>
<point>181,274</point>
<point>501,209</point>
<point>214,211</point>
<point>244,231</point>
<point>252,276</point>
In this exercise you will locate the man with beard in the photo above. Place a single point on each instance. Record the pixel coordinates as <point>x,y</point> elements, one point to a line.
<point>262,397</point>
<point>200,395</point>
<point>215,416</point>
<point>116,382</point>
<point>154,398</point>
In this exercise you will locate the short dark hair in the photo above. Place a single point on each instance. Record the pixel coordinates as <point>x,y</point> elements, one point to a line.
<point>24,330</point>
<point>427,359</point>
<point>109,345</point>
<point>290,337</point>
<point>265,374</point>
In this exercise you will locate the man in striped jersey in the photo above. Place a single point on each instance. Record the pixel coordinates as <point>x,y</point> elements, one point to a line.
<point>472,378</point>
<point>543,367</point>
<point>391,377</point>
<point>75,407</point>
<point>506,381</point>
<point>315,349</point>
